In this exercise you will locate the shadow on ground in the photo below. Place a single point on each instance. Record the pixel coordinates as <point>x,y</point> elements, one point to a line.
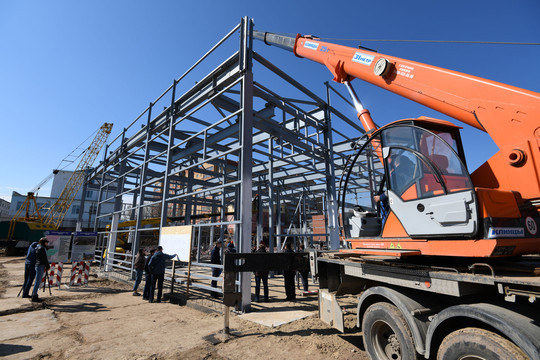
<point>10,349</point>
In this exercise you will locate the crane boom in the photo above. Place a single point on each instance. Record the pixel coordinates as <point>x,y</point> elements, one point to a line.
<point>510,115</point>
<point>58,210</point>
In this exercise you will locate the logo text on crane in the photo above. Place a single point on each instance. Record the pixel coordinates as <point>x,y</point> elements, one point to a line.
<point>495,233</point>
<point>362,58</point>
<point>311,45</point>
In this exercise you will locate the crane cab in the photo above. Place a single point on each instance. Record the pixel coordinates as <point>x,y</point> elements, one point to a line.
<point>409,181</point>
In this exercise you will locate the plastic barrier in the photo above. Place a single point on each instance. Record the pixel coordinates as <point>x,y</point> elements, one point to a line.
<point>79,273</point>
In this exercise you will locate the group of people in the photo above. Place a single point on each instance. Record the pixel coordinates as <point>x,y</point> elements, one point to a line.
<point>153,266</point>
<point>288,275</point>
<point>35,265</point>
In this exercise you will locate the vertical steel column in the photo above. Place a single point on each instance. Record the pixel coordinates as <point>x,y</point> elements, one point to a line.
<point>113,235</point>
<point>100,195</point>
<point>278,201</point>
<point>223,213</point>
<point>259,214</point>
<point>78,227</point>
<point>142,180</point>
<point>333,223</point>
<point>246,137</point>
<point>271,239</point>
<point>166,186</point>
<point>304,220</point>
<point>189,205</point>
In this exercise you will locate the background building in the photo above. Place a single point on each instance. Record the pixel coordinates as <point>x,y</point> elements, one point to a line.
<point>4,210</point>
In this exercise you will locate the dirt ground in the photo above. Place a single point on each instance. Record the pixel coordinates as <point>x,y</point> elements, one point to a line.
<point>104,321</point>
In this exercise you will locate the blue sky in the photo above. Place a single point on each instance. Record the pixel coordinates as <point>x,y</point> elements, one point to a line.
<point>66,67</point>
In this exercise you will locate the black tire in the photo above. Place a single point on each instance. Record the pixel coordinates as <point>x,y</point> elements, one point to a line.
<point>386,334</point>
<point>478,344</point>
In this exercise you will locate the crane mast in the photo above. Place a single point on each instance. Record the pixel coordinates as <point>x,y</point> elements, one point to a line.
<point>58,210</point>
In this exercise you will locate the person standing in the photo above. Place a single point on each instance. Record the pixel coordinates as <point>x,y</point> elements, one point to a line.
<point>261,276</point>
<point>304,274</point>
<point>157,268</point>
<point>139,267</point>
<point>148,276</point>
<point>215,258</point>
<point>230,247</point>
<point>29,269</point>
<point>42,265</point>
<point>288,276</point>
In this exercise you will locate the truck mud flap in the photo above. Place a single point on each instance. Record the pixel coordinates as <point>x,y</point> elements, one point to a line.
<point>329,310</point>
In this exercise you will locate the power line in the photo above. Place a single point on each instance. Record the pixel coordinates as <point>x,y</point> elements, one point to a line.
<point>439,41</point>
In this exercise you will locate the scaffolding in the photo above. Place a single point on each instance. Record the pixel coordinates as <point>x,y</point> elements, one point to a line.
<point>236,156</point>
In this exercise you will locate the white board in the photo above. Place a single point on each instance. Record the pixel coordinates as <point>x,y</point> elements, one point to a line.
<point>84,246</point>
<point>176,240</point>
<point>59,243</point>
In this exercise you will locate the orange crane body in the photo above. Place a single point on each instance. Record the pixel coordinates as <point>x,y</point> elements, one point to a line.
<point>507,186</point>
<point>510,115</point>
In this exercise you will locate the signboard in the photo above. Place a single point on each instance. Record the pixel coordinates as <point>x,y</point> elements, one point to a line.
<point>59,242</point>
<point>84,246</point>
<point>176,240</point>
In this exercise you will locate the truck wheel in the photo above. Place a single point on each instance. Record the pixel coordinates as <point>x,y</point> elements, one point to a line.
<point>386,333</point>
<point>478,344</point>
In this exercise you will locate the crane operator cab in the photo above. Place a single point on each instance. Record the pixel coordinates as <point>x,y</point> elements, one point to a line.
<point>409,180</point>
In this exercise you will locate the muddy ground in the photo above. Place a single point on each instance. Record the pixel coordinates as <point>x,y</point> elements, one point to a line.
<point>104,321</point>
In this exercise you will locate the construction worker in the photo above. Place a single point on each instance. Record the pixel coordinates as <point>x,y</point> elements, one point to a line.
<point>148,277</point>
<point>29,269</point>
<point>215,258</point>
<point>288,276</point>
<point>42,265</point>
<point>157,268</point>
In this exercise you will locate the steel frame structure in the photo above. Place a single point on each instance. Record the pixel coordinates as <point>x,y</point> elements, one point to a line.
<point>223,153</point>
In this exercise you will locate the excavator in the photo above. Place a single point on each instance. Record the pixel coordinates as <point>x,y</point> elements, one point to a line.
<point>416,168</point>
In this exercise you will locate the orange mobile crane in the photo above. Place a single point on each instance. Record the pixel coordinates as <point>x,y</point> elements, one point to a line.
<point>435,206</point>
<point>449,272</point>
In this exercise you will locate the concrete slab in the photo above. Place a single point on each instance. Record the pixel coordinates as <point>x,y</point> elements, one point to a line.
<point>275,318</point>
<point>32,323</point>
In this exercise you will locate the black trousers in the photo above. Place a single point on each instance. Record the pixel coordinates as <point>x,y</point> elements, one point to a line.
<point>29,275</point>
<point>289,284</point>
<point>215,273</point>
<point>156,278</point>
<point>147,286</point>
<point>258,280</point>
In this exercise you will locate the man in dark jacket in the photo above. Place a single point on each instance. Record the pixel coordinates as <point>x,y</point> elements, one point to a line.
<point>261,276</point>
<point>157,268</point>
<point>42,265</point>
<point>215,258</point>
<point>148,276</point>
<point>288,276</point>
<point>29,269</point>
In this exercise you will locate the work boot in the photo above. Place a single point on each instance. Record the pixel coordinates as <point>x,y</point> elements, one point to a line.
<point>35,298</point>
<point>26,296</point>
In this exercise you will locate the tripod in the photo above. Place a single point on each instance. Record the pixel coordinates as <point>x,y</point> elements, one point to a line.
<point>47,282</point>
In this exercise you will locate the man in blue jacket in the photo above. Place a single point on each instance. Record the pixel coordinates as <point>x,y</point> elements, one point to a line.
<point>42,265</point>
<point>29,269</point>
<point>157,268</point>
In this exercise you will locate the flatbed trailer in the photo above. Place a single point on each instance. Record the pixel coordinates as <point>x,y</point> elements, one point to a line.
<point>413,307</point>
<point>442,308</point>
